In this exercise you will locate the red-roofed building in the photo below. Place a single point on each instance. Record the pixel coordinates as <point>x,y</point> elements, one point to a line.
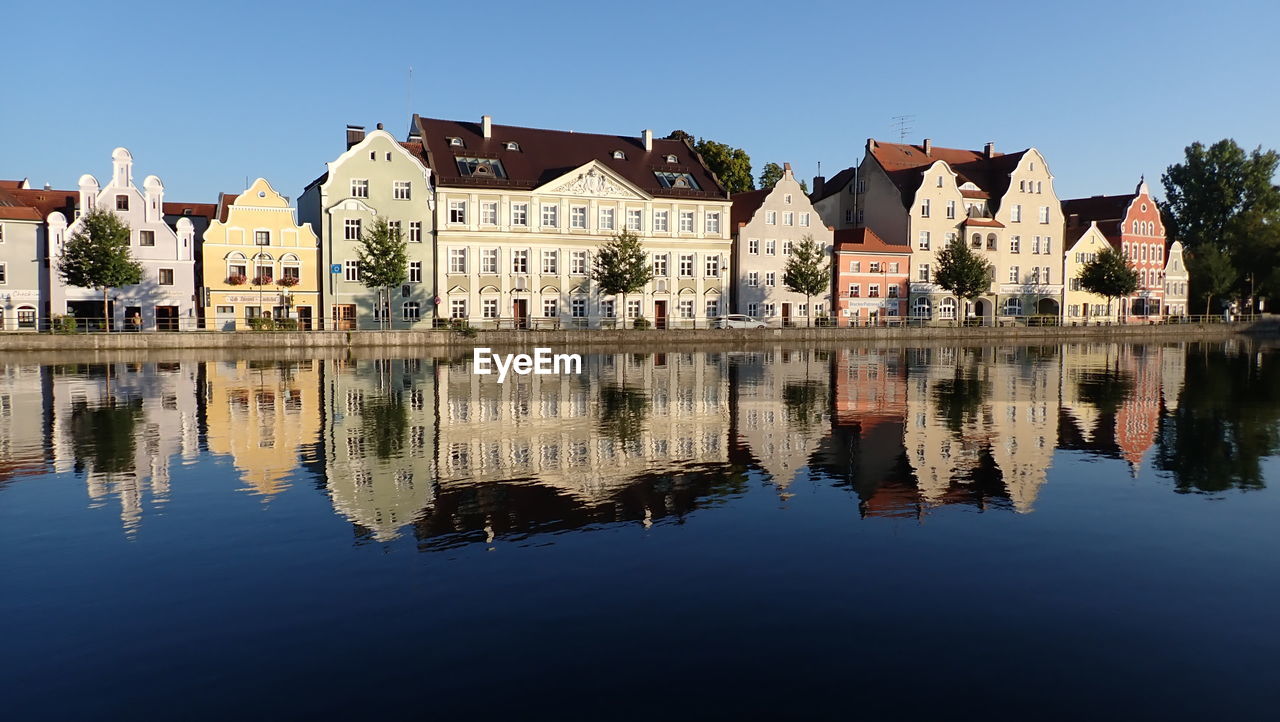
<point>1131,222</point>
<point>872,278</point>
<point>23,291</point>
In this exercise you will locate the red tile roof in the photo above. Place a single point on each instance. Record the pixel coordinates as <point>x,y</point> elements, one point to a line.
<point>905,164</point>
<point>865,239</point>
<point>545,155</point>
<point>12,209</point>
<point>45,201</point>
<point>745,206</point>
<point>984,222</point>
<point>205,210</point>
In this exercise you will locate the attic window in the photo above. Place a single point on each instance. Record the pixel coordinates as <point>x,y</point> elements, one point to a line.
<point>671,158</point>
<point>456,142</point>
<point>619,155</point>
<point>186,211</point>
<point>481,167</point>
<point>512,145</point>
<point>373,155</point>
<point>676,180</point>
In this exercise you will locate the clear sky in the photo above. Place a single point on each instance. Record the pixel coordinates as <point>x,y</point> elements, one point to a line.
<point>207,97</point>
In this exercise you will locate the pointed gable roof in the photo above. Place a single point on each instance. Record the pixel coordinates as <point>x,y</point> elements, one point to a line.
<point>905,164</point>
<point>541,156</point>
<point>1107,211</point>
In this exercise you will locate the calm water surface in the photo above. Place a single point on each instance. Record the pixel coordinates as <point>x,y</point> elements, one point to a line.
<point>1046,532</point>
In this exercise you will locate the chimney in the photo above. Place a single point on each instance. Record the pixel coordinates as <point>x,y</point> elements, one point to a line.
<point>355,134</point>
<point>818,183</point>
<point>486,126</point>
<point>990,150</point>
<point>48,186</point>
<point>871,143</point>
<point>1073,220</point>
<point>647,136</point>
<point>415,134</point>
<point>379,126</point>
<point>928,146</point>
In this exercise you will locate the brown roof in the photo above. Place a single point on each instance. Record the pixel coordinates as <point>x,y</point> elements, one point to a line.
<point>745,206</point>
<point>966,193</point>
<point>205,210</point>
<point>984,222</point>
<point>865,239</point>
<point>1107,211</point>
<point>44,201</point>
<point>545,155</point>
<point>12,209</point>
<point>224,205</point>
<point>835,185</point>
<point>12,183</point>
<point>905,164</point>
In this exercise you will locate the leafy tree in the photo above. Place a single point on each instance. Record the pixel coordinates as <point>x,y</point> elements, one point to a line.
<point>623,412</point>
<point>807,271</point>
<point>1212,273</point>
<point>680,135</point>
<point>959,398</point>
<point>804,403</point>
<point>386,420</point>
<point>773,173</point>
<point>1109,275</point>
<point>97,256</point>
<point>732,166</point>
<point>621,267</point>
<point>964,273</point>
<point>104,437</point>
<point>384,262</point>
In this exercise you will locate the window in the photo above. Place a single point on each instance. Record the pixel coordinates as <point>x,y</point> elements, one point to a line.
<point>1047,245</point>
<point>520,261</point>
<point>873,290</point>
<point>675,180</point>
<point>661,222</point>
<point>578,307</point>
<point>1035,275</point>
<point>771,218</point>
<point>457,260</point>
<point>788,219</point>
<point>607,309</point>
<point>549,307</point>
<point>605,219</point>
<point>166,276</point>
<point>457,211</point>
<point>122,203</point>
<point>804,219</point>
<point>753,278</point>
<point>893,267</point>
<point>489,260</point>
<point>351,271</point>
<point>1044,214</point>
<point>951,209</point>
<point>713,223</point>
<point>770,279</point>
<point>519,214</point>
<point>1011,307</point>
<point>481,167</point>
<point>686,265</point>
<point>415,271</point>
<point>893,291</point>
<point>855,267</point>
<point>924,207</point>
<point>619,155</point>
<point>633,308</point>
<point>713,266</point>
<point>489,213</point>
<point>489,307</point>
<point>410,311</point>
<point>1045,274</point>
<point>551,262</point>
<point>1,233</point>
<point>578,263</point>
<point>147,238</point>
<point>550,216</point>
<point>458,308</point>
<point>1015,244</point>
<point>635,219</point>
<point>1013,275</point>
<point>924,240</point>
<point>753,246</point>
<point>293,272</point>
<point>1035,245</point>
<point>921,308</point>
<point>660,264</point>
<point>1016,214</point>
<point>400,191</point>
<point>713,307</point>
<point>786,248</point>
<point>753,309</point>
<point>578,217</point>
<point>855,290</point>
<point>686,308</point>
<point>686,221</point>
<point>923,273</point>
<point>415,231</point>
<point>360,188</point>
<point>351,229</point>
<point>394,227</point>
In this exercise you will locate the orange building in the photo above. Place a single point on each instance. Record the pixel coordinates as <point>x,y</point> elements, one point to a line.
<point>872,278</point>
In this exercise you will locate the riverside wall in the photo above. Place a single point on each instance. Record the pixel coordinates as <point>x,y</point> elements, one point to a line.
<point>445,340</point>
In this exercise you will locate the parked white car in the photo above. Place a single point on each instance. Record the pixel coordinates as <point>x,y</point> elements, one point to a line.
<point>737,320</point>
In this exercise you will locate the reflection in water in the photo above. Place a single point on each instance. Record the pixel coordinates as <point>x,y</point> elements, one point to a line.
<point>426,448</point>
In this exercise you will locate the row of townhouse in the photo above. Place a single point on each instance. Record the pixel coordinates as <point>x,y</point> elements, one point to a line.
<point>502,223</point>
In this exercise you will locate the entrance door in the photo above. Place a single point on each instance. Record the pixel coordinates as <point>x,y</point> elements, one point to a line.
<point>659,314</point>
<point>304,318</point>
<point>344,317</point>
<point>166,318</point>
<point>786,314</point>
<point>133,318</point>
<point>520,309</point>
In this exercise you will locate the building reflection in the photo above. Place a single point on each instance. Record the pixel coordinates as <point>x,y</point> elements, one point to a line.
<point>782,409</point>
<point>25,420</point>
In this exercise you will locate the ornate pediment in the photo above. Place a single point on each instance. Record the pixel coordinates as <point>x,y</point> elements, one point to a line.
<point>593,180</point>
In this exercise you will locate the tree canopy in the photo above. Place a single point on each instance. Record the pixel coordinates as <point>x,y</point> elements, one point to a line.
<point>621,266</point>
<point>773,173</point>
<point>384,260</point>
<point>98,255</point>
<point>731,165</point>
<point>1213,272</point>
<point>1109,275</point>
<point>808,270</point>
<point>963,272</point>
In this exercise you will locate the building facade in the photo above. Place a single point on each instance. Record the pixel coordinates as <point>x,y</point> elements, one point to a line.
<point>1003,205</point>
<point>377,176</point>
<point>1081,306</point>
<point>1132,224</point>
<point>521,213</point>
<point>259,262</point>
<point>1176,281</point>
<point>767,225</point>
<point>22,252</point>
<point>165,299</point>
<point>872,278</point>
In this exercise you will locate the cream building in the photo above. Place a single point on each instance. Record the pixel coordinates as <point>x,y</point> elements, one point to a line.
<point>782,440</point>
<point>258,262</point>
<point>767,224</point>
<point>1081,306</point>
<point>1003,205</point>
<point>1177,282</point>
<point>520,213</point>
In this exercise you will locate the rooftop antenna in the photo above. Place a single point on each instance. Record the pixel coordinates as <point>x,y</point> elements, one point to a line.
<point>408,93</point>
<point>903,124</point>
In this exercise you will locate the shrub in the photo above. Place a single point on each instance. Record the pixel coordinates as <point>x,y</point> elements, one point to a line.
<point>261,323</point>
<point>642,323</point>
<point>64,324</point>
<point>462,327</point>
<point>286,324</point>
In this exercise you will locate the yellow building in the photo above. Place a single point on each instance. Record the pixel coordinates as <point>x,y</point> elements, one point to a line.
<point>259,262</point>
<point>1084,243</point>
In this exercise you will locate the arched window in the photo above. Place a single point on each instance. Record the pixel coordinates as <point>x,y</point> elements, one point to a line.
<point>1011,307</point>
<point>947,308</point>
<point>991,241</point>
<point>976,241</point>
<point>921,308</point>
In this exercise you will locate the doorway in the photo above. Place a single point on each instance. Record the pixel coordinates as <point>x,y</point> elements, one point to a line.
<point>520,309</point>
<point>166,318</point>
<point>344,317</point>
<point>786,314</point>
<point>659,314</point>
<point>88,314</point>
<point>133,318</point>
<point>304,318</point>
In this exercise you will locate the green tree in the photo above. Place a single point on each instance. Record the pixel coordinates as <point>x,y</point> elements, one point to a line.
<point>97,256</point>
<point>104,437</point>
<point>959,399</point>
<point>1212,273</point>
<point>623,412</point>
<point>732,166</point>
<point>807,271</point>
<point>773,173</point>
<point>964,273</point>
<point>384,263</point>
<point>680,135</point>
<point>386,420</point>
<point>621,266</point>
<point>1109,275</point>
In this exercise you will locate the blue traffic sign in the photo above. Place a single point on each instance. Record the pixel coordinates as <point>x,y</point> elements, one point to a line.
<point>335,268</point>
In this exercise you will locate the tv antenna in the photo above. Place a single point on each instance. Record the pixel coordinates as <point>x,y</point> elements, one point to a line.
<point>903,124</point>
<point>408,93</point>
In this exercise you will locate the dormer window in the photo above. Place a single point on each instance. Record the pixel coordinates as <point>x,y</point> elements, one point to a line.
<point>512,145</point>
<point>481,167</point>
<point>619,155</point>
<point>676,180</point>
<point>671,158</point>
<point>455,142</point>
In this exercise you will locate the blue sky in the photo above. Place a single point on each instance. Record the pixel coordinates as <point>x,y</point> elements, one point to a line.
<point>235,90</point>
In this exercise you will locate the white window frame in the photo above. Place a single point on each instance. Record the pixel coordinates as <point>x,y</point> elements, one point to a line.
<point>457,260</point>
<point>402,190</point>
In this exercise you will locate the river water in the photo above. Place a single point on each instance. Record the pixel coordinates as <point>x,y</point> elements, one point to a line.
<point>943,532</point>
